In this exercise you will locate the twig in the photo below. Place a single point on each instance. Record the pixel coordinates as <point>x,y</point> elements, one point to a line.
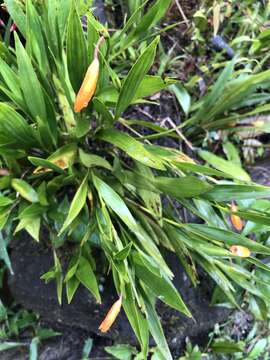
<point>169,120</point>
<point>182,12</point>
<point>98,45</point>
<point>146,114</point>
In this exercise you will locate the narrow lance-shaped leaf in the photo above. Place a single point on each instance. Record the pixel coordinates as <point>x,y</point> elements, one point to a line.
<point>132,147</point>
<point>232,192</point>
<point>227,237</point>
<point>76,49</point>
<point>114,201</point>
<point>160,286</point>
<point>11,80</point>
<point>14,130</point>
<point>30,85</point>
<point>35,40</point>
<point>25,190</point>
<point>226,166</point>
<point>134,77</point>
<point>182,96</point>
<point>77,204</point>
<point>156,328</point>
<point>215,93</point>
<point>150,19</point>
<point>15,9</point>
<point>87,277</point>
<point>4,253</point>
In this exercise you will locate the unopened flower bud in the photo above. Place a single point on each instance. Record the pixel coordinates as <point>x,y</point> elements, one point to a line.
<point>111,316</point>
<point>235,219</point>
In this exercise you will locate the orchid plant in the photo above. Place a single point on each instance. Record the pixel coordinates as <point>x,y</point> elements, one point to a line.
<point>73,165</point>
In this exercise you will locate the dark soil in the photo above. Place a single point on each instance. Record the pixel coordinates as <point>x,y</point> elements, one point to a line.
<point>82,317</point>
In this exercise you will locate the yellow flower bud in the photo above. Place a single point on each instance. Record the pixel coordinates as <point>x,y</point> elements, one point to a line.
<point>239,250</point>
<point>235,219</point>
<point>88,86</point>
<point>111,316</point>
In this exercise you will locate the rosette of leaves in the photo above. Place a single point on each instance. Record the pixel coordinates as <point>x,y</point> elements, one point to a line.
<point>88,181</point>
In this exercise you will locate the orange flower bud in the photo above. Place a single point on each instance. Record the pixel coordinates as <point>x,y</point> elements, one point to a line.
<point>88,87</point>
<point>89,84</point>
<point>235,219</point>
<point>111,316</point>
<point>239,250</point>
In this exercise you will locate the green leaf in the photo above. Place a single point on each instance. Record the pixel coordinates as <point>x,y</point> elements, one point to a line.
<point>63,157</point>
<point>232,192</point>
<point>11,80</point>
<point>258,308</point>
<point>101,109</point>
<point>72,266</point>
<point>35,40</point>
<point>150,19</point>
<point>201,169</point>
<point>14,130</point>
<point>87,348</point>
<point>5,201</point>
<point>156,329</point>
<point>62,16</point>
<point>151,199</point>
<point>257,350</point>
<point>15,9</point>
<point>46,164</point>
<point>25,190</point>
<point>236,93</point>
<point>134,77</point>
<point>77,204</point>
<point>114,201</point>
<point>185,187</point>
<point>160,286</point>
<point>227,346</point>
<point>65,105</point>
<point>131,20</point>
<point>92,35</point>
<point>71,287</point>
<point>218,276</point>
<point>31,225</point>
<point>132,147</point>
<point>136,319</point>
<point>4,253</point>
<point>224,165</point>
<point>182,96</point>
<point>33,228</point>
<point>30,85</point>
<point>123,254</point>
<point>34,349</point>
<point>87,277</point>
<point>232,153</point>
<point>151,85</point>
<point>215,94</point>
<point>227,237</point>
<point>121,352</point>
<point>58,277</point>
<point>91,160</point>
<point>76,49</point>
<point>6,345</point>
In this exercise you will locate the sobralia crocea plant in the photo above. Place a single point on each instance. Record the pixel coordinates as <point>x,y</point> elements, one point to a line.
<point>91,180</point>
